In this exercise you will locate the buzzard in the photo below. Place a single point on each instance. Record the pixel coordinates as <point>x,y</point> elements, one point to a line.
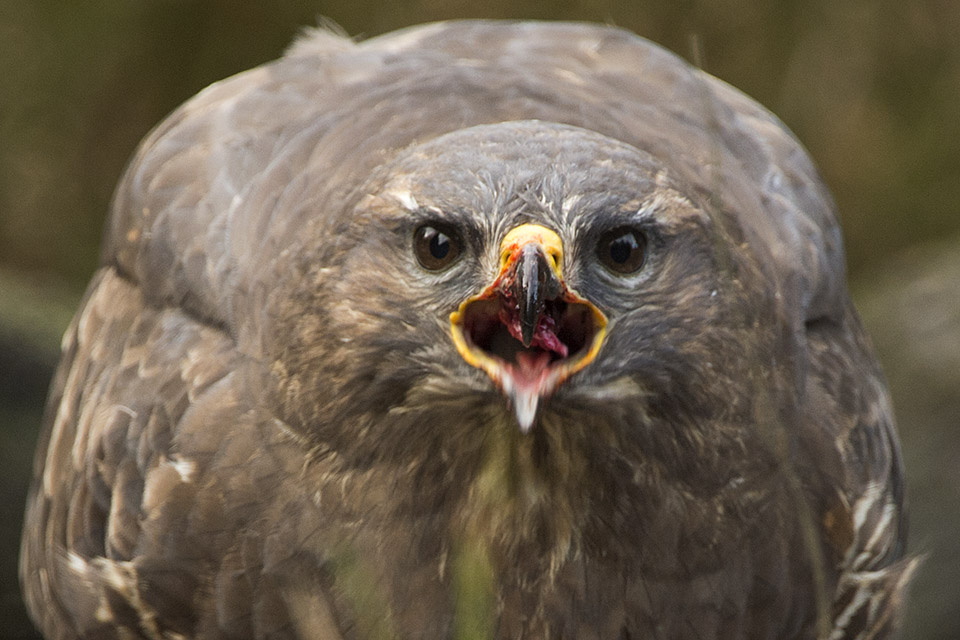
<point>473,330</point>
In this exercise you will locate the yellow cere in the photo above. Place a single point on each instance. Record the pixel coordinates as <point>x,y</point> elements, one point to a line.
<point>525,234</point>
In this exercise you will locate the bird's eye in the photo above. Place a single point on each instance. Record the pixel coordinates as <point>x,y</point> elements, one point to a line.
<point>437,246</point>
<point>622,250</point>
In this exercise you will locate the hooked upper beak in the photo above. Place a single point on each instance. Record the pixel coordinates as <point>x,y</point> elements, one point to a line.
<point>527,330</point>
<point>535,282</point>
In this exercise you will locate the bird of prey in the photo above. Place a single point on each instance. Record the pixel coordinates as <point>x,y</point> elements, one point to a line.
<point>472,330</point>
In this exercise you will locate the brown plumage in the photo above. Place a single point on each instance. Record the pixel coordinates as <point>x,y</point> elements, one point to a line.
<point>472,330</point>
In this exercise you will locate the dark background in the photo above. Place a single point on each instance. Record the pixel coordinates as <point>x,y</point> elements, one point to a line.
<point>871,87</point>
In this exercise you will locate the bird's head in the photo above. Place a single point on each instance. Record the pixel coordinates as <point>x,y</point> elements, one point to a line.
<point>524,269</point>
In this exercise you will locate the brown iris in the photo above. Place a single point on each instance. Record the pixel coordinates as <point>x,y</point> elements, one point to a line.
<point>622,250</point>
<point>436,245</point>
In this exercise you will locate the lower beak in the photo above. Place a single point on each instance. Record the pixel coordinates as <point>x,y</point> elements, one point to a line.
<point>528,331</point>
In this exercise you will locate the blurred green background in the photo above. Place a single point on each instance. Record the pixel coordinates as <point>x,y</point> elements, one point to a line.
<point>872,88</point>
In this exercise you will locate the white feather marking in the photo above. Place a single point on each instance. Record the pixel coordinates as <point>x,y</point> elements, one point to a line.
<point>76,563</point>
<point>405,198</point>
<point>525,407</point>
<point>294,436</point>
<point>121,576</point>
<point>864,584</point>
<point>569,203</point>
<point>889,511</point>
<point>863,506</point>
<point>160,480</point>
<point>184,467</point>
<point>841,621</point>
<point>103,613</point>
<point>116,574</point>
<point>876,546</point>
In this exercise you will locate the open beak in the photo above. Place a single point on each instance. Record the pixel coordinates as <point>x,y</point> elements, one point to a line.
<point>528,331</point>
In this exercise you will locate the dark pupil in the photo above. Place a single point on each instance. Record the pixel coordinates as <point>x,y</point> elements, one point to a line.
<point>623,247</point>
<point>439,245</point>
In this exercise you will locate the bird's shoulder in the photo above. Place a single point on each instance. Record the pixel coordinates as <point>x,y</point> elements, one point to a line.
<point>851,434</point>
<point>150,427</point>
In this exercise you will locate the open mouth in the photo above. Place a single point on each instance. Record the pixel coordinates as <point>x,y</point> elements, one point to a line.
<point>528,331</point>
<point>563,335</point>
<point>488,330</point>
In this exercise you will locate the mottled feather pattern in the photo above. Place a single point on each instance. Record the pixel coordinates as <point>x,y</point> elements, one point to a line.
<point>260,427</point>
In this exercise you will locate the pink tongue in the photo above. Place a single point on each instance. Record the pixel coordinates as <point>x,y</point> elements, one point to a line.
<point>544,337</point>
<point>532,363</point>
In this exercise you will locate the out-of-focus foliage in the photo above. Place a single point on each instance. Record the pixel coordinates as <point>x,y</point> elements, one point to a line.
<point>872,88</point>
